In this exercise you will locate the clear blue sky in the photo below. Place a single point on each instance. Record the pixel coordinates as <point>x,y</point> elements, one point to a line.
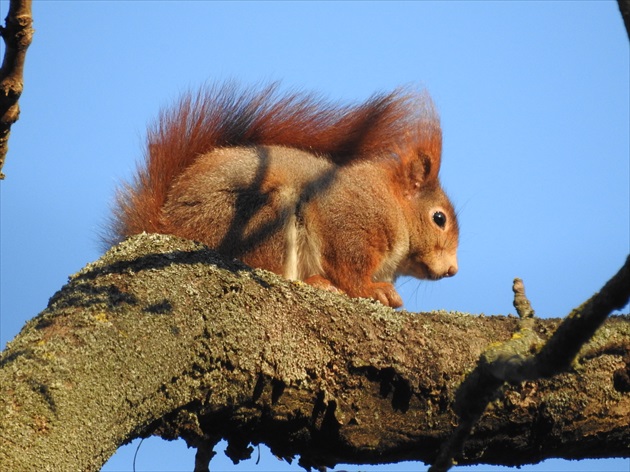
<point>534,99</point>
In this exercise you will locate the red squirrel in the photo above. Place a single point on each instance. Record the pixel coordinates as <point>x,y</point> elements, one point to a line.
<point>344,197</point>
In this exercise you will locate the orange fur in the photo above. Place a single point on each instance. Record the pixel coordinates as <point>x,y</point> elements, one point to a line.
<point>292,183</point>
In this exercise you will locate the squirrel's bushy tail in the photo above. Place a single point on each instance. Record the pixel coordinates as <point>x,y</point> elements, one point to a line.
<point>400,122</point>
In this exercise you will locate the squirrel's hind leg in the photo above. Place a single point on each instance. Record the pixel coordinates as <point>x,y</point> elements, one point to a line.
<point>323,283</point>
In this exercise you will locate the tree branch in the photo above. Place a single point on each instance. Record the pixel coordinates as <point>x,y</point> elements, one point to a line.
<point>17,35</point>
<point>514,362</point>
<point>161,336</point>
<point>624,9</point>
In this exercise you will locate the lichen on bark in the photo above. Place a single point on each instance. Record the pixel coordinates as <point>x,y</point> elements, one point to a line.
<point>163,336</point>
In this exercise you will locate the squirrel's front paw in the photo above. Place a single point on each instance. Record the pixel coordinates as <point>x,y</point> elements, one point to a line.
<point>386,294</point>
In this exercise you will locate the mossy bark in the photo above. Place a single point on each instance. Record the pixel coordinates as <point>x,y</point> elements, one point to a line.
<point>162,336</point>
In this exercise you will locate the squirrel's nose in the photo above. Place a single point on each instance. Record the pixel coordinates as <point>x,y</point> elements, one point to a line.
<point>452,270</point>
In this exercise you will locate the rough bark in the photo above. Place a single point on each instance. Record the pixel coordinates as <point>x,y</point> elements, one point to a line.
<point>17,35</point>
<point>161,336</point>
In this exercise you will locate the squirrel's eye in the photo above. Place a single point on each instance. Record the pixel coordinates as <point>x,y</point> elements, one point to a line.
<point>439,219</point>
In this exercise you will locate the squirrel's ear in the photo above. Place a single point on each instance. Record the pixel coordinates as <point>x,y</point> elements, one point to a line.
<point>422,170</point>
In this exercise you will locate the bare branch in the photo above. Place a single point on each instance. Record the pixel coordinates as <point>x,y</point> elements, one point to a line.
<point>514,362</point>
<point>624,9</point>
<point>17,35</point>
